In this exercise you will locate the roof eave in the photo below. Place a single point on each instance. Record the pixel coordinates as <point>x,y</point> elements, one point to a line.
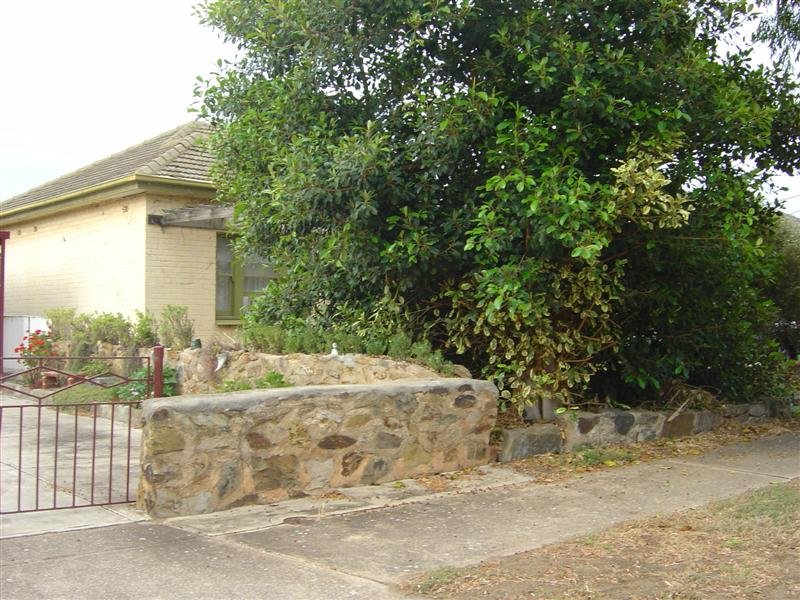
<point>116,188</point>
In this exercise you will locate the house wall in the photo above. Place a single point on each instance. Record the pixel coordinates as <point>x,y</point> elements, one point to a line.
<point>181,269</point>
<point>104,257</point>
<point>90,259</point>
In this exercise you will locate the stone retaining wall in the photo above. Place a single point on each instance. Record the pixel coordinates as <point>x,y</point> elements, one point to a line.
<point>211,452</point>
<point>610,427</point>
<point>201,370</point>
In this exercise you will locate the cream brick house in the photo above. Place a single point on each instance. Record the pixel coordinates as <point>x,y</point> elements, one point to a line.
<point>115,236</point>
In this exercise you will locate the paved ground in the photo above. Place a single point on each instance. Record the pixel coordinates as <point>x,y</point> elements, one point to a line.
<point>62,457</point>
<point>363,545</point>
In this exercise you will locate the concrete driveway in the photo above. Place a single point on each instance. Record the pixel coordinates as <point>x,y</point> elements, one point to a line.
<point>56,458</point>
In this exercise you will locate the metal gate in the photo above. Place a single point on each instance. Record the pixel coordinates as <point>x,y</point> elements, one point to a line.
<point>57,455</point>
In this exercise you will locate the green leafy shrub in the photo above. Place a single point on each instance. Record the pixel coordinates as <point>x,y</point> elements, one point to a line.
<point>233,385</point>
<point>94,367</point>
<point>137,390</point>
<point>400,345</point>
<point>375,346</point>
<point>82,332</point>
<point>110,328</point>
<point>264,338</point>
<point>269,380</point>
<point>175,328</point>
<point>381,331</point>
<point>356,337</point>
<point>145,329</point>
<point>61,322</point>
<point>273,379</point>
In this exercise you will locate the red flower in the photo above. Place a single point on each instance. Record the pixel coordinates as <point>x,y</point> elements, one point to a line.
<point>38,332</point>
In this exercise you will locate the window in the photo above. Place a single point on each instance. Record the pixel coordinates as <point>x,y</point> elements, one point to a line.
<point>238,281</point>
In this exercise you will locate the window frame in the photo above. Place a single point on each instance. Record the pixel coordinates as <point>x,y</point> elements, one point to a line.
<point>237,275</point>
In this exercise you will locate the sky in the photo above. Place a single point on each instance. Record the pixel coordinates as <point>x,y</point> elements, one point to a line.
<point>82,79</point>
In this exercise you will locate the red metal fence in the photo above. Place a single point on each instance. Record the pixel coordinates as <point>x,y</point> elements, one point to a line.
<point>56,455</point>
<point>67,456</point>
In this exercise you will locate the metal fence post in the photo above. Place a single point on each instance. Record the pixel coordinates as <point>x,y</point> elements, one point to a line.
<point>4,235</point>
<point>158,371</point>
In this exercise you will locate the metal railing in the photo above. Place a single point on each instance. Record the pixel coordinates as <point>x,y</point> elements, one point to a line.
<point>57,455</point>
<point>48,372</point>
<point>67,456</point>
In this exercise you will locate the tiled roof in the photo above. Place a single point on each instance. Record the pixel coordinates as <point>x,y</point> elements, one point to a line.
<point>174,154</point>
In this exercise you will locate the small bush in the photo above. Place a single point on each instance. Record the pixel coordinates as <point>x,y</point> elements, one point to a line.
<point>232,385</point>
<point>375,347</point>
<point>82,332</point>
<point>265,338</point>
<point>353,331</point>
<point>175,328</point>
<point>61,322</point>
<point>144,330</point>
<point>94,367</point>
<point>137,390</point>
<point>294,342</point>
<point>273,379</point>
<point>400,345</point>
<point>111,328</point>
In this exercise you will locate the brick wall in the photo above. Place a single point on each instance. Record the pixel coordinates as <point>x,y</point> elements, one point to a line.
<point>89,259</point>
<point>104,257</point>
<point>181,269</point>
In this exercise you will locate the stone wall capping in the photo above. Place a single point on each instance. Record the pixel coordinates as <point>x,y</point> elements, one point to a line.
<point>241,401</point>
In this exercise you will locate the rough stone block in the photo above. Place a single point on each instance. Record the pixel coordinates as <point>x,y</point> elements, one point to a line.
<point>647,425</point>
<point>681,425</point>
<point>542,410</point>
<point>735,410</point>
<point>705,420</point>
<point>523,442</point>
<point>610,427</point>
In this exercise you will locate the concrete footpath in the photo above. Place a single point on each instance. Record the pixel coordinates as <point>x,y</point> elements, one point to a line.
<point>364,542</point>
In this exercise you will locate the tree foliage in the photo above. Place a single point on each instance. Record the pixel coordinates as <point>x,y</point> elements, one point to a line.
<point>779,27</point>
<point>565,193</point>
<point>785,288</point>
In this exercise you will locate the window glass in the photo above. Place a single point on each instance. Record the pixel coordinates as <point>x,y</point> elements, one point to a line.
<point>224,301</point>
<point>238,281</point>
<point>256,276</point>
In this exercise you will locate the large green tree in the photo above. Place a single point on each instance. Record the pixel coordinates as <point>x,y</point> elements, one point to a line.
<point>567,193</point>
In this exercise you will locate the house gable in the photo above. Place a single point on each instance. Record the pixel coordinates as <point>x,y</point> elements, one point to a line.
<point>174,162</point>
